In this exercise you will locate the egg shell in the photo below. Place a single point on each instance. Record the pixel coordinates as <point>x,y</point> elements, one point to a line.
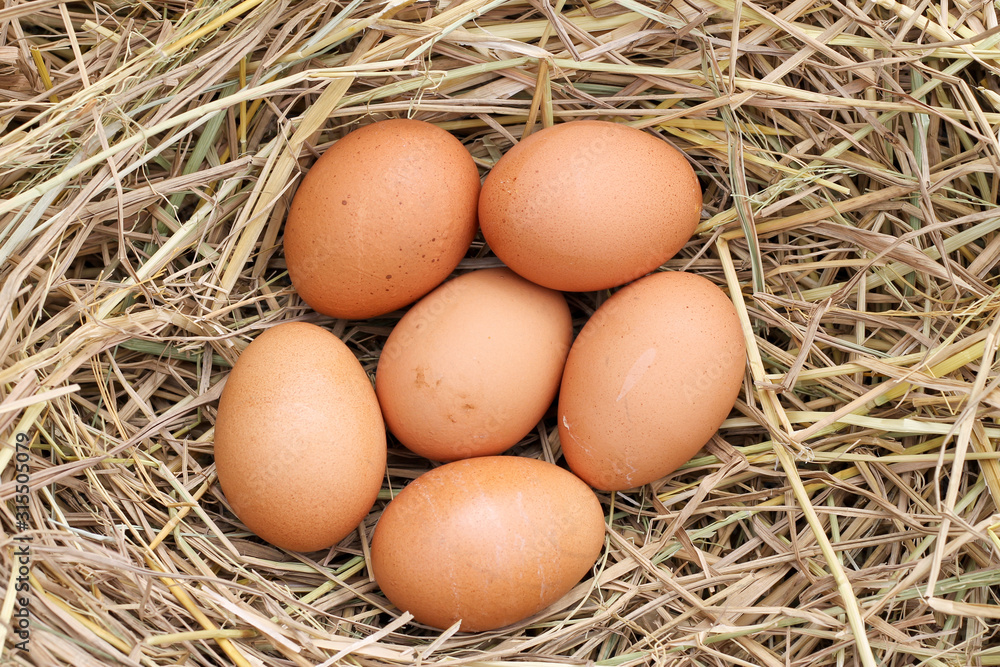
<point>589,205</point>
<point>299,440</point>
<point>650,378</point>
<point>474,365</point>
<point>488,541</point>
<point>381,218</point>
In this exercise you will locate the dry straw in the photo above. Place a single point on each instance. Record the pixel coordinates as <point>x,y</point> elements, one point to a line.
<point>846,513</point>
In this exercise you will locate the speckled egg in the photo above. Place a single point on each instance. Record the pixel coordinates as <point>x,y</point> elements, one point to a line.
<point>650,378</point>
<point>381,218</point>
<point>487,541</point>
<point>299,441</point>
<point>474,365</point>
<point>589,205</point>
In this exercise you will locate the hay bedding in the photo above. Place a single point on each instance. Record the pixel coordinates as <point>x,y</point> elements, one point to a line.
<point>846,513</point>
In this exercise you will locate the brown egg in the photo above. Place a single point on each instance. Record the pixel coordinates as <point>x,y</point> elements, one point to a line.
<point>650,378</point>
<point>299,441</point>
<point>474,365</point>
<point>382,218</point>
<point>488,541</point>
<point>589,205</point>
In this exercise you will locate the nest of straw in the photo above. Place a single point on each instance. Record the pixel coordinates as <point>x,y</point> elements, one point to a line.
<point>846,512</point>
